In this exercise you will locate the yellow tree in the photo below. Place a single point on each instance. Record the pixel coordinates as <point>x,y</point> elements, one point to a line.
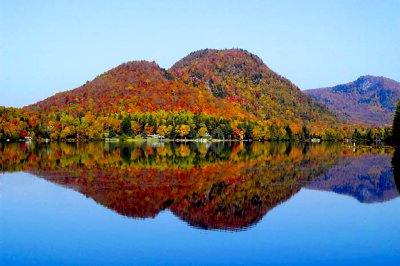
<point>136,127</point>
<point>183,130</point>
<point>161,130</point>
<point>202,132</point>
<point>257,133</point>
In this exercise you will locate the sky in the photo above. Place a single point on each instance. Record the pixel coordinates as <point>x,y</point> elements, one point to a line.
<point>52,46</point>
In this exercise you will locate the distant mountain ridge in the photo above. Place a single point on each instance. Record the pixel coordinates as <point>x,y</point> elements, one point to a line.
<point>369,100</point>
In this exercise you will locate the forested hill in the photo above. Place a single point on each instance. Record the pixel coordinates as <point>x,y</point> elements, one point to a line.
<point>224,93</point>
<point>244,79</point>
<point>137,86</point>
<point>368,100</point>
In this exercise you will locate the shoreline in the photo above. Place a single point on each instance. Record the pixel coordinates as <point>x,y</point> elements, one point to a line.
<point>205,141</point>
<point>172,140</point>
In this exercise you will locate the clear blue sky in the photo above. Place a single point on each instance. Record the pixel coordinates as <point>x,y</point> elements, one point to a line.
<point>52,46</point>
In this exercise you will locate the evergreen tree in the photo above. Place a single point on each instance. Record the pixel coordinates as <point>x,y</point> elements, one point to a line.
<point>112,133</point>
<point>289,132</point>
<point>396,125</point>
<point>126,127</point>
<point>356,135</point>
<point>305,132</point>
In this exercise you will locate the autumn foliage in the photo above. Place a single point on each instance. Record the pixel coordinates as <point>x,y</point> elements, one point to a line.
<point>218,186</point>
<point>225,94</point>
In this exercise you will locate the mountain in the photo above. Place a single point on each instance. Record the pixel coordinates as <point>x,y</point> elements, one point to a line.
<point>223,82</point>
<point>369,100</point>
<point>224,93</point>
<point>246,81</point>
<point>137,86</point>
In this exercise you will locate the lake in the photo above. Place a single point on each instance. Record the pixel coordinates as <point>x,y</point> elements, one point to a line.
<point>199,204</point>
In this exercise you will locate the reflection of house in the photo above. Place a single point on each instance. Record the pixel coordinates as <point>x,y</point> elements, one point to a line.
<point>155,144</point>
<point>28,140</point>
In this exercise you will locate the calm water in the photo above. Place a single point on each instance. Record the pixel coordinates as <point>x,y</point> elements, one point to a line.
<point>229,204</point>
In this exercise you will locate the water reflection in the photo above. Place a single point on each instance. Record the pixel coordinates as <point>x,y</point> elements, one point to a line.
<point>228,186</point>
<point>368,178</point>
<point>396,167</point>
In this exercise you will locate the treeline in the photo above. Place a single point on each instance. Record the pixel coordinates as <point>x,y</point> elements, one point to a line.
<point>16,124</point>
<point>372,134</point>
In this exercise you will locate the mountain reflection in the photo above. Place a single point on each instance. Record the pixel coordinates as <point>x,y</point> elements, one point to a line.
<point>368,178</point>
<point>228,186</point>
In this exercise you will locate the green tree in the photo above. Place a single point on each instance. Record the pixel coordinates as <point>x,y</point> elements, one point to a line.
<point>305,132</point>
<point>396,125</point>
<point>289,132</point>
<point>126,127</point>
<point>356,135</point>
<point>112,133</point>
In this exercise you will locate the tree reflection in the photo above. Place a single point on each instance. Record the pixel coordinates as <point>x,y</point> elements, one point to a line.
<point>396,167</point>
<point>228,186</point>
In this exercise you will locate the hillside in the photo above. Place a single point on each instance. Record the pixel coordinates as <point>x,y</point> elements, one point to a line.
<point>369,100</point>
<point>246,81</point>
<point>222,93</point>
<point>137,86</point>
